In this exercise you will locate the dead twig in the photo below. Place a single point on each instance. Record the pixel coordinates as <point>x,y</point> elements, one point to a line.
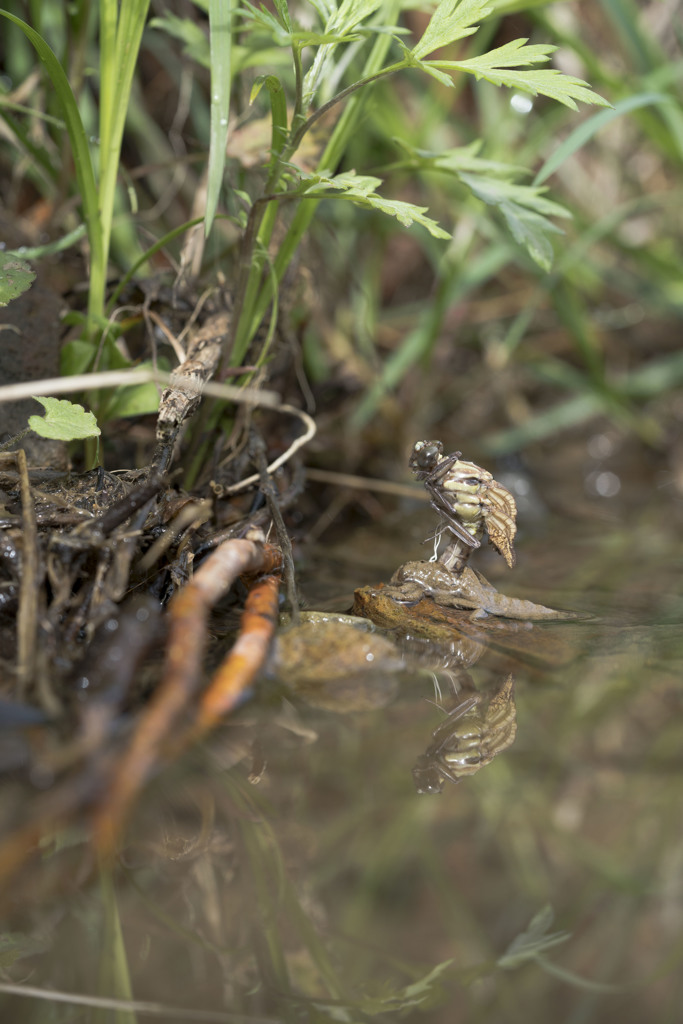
<point>298,442</point>
<point>118,378</point>
<point>268,488</point>
<point>123,508</point>
<point>350,481</point>
<point>194,514</point>
<point>184,393</point>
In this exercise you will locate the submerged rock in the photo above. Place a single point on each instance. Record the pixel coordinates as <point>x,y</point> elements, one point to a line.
<point>338,665</point>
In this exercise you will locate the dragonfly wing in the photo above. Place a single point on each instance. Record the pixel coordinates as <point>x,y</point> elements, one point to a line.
<point>500,514</point>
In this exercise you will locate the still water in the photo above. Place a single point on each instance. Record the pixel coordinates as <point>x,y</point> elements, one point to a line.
<point>289,870</point>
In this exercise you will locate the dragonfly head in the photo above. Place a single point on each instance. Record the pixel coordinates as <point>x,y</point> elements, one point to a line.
<point>426,776</point>
<point>425,456</point>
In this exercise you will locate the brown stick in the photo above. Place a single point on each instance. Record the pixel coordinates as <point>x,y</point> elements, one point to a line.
<point>239,669</point>
<point>182,674</point>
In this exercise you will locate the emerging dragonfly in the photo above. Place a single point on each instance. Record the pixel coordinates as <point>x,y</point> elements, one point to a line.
<point>468,500</point>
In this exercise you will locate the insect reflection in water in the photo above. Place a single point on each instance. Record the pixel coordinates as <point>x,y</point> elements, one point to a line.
<point>468,739</point>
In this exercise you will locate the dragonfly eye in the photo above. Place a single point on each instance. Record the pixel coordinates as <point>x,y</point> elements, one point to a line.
<point>427,456</point>
<point>426,776</point>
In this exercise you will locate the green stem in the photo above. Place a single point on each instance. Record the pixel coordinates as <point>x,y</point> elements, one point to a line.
<point>247,280</point>
<point>254,310</point>
<point>253,294</point>
<point>344,94</point>
<point>298,86</point>
<point>15,439</point>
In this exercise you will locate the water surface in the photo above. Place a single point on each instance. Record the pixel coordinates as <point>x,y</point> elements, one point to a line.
<point>288,870</point>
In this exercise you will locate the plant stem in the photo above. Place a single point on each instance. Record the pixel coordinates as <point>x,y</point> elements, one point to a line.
<point>254,309</point>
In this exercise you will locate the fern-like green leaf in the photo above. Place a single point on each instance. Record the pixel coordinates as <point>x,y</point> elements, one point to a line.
<point>282,9</point>
<point>531,231</point>
<point>341,24</point>
<point>518,53</point>
<point>360,184</point>
<point>263,18</point>
<point>535,940</point>
<point>526,212</point>
<point>452,19</point>
<point>500,66</point>
<point>524,207</point>
<point>495,191</point>
<point>458,160</point>
<point>360,190</point>
<point>350,13</point>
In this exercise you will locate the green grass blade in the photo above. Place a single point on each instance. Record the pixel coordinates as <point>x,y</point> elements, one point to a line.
<point>39,160</point>
<point>38,252</point>
<point>646,382</point>
<point>220,38</point>
<point>108,19</point>
<point>114,974</point>
<point>147,255</point>
<point>85,175</point>
<point>114,98</point>
<point>655,378</point>
<point>581,135</point>
<point>562,416</point>
<point>570,978</point>
<point>417,346</point>
<point>624,15</point>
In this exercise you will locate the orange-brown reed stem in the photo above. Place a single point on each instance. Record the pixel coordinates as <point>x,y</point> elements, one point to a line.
<point>239,669</point>
<point>181,678</point>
